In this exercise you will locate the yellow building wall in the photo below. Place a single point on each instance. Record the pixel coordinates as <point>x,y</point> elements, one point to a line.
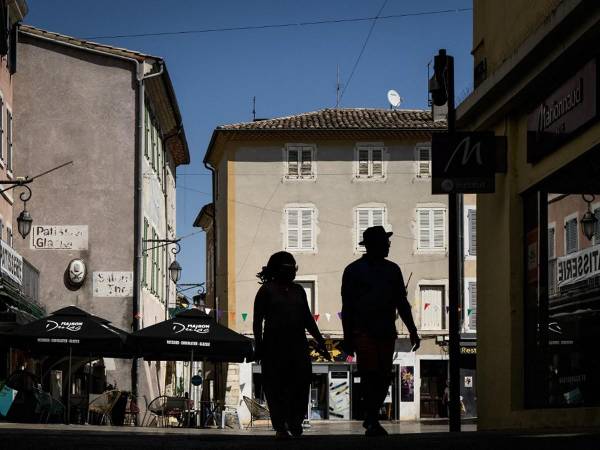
<point>492,19</point>
<point>500,277</point>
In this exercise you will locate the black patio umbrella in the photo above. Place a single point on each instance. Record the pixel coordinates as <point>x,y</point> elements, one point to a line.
<point>69,331</point>
<point>191,335</point>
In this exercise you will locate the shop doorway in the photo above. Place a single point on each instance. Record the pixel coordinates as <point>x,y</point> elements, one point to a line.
<point>434,374</point>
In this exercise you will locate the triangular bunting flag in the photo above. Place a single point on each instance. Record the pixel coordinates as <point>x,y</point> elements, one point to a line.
<point>340,315</point>
<point>349,358</point>
<point>469,312</point>
<point>316,316</point>
<point>244,316</point>
<point>207,310</point>
<point>447,309</point>
<point>328,316</point>
<point>426,306</point>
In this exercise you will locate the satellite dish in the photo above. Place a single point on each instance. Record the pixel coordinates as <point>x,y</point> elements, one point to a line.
<point>394,98</point>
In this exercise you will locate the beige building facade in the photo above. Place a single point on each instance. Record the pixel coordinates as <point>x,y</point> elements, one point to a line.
<point>310,184</point>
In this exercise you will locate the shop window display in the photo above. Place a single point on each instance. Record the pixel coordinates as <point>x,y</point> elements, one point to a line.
<point>562,288</point>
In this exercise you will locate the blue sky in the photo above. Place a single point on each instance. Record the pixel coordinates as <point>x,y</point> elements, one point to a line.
<point>289,69</point>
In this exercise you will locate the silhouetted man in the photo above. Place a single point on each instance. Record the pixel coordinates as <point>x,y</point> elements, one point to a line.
<point>372,291</point>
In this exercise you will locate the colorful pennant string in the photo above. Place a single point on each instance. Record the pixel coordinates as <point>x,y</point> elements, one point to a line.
<point>316,316</point>
<point>328,316</point>
<point>244,316</point>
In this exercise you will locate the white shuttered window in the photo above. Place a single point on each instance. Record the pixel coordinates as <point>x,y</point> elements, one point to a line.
<point>571,238</point>
<point>472,231</point>
<point>431,224</point>
<point>365,218</point>
<point>472,308</point>
<point>369,161</point>
<point>300,161</point>
<point>300,229</point>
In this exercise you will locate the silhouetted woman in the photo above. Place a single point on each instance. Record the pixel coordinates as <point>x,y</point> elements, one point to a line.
<point>282,347</point>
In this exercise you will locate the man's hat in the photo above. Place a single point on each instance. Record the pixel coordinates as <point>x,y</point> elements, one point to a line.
<point>375,234</point>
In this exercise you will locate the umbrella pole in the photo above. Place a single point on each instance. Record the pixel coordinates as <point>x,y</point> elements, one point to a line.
<point>69,388</point>
<point>190,387</point>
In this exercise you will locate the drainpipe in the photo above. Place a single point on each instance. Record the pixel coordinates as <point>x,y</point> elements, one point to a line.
<point>139,155</point>
<point>214,202</point>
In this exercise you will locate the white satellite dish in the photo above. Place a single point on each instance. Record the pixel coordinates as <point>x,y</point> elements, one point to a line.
<point>394,98</point>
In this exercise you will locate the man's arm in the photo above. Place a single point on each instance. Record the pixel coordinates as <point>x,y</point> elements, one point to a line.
<point>405,312</point>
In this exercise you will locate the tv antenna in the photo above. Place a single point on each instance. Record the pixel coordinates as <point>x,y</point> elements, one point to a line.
<point>394,98</point>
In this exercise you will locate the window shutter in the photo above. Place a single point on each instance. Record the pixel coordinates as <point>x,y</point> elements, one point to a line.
<point>439,228</point>
<point>1,129</point>
<point>306,168</point>
<point>424,163</point>
<point>293,228</point>
<point>472,219</point>
<point>596,225</point>
<point>571,235</point>
<point>424,229</point>
<point>9,140</point>
<point>292,155</point>
<point>145,254</point>
<point>551,243</point>
<point>307,229</point>
<point>362,221</point>
<point>147,133</point>
<point>377,217</point>
<point>377,155</point>
<point>472,306</point>
<point>363,162</point>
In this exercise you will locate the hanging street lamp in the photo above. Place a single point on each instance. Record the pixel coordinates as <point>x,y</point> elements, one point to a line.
<point>589,221</point>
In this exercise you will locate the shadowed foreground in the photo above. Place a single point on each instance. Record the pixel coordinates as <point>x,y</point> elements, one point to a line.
<point>52,437</point>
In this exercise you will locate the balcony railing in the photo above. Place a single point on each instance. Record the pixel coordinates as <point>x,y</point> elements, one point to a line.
<point>31,281</point>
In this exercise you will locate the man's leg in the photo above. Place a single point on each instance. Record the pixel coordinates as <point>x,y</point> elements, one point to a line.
<point>274,391</point>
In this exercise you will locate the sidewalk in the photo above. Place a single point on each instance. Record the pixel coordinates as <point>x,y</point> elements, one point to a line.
<point>324,435</point>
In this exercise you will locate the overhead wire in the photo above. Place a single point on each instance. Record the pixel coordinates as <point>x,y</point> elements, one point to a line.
<point>280,25</point>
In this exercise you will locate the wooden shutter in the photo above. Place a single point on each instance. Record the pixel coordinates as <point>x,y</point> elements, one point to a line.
<point>377,217</point>
<point>551,238</point>
<point>431,307</point>
<point>424,162</point>
<point>306,168</point>
<point>307,229</point>
<point>472,220</point>
<point>596,226</point>
<point>147,131</point>
<point>363,162</point>
<point>362,221</point>
<point>571,235</point>
<point>293,229</point>
<point>472,306</point>
<point>424,223</point>
<point>292,159</point>
<point>9,140</point>
<point>1,129</point>
<point>377,161</point>
<point>439,229</point>
<point>145,254</point>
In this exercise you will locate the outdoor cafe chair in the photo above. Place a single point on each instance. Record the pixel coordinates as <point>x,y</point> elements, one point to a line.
<point>257,411</point>
<point>164,407</point>
<point>103,405</point>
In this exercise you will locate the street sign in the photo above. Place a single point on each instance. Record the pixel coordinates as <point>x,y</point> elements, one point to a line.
<point>463,163</point>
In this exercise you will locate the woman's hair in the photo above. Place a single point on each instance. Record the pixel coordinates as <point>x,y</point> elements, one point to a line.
<point>281,266</point>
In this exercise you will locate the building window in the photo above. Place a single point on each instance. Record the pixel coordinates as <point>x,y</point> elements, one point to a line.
<point>1,229</point>
<point>552,288</point>
<point>300,229</point>
<point>9,237</point>
<point>369,161</point>
<point>596,238</point>
<point>431,223</point>
<point>309,288</point>
<point>300,161</point>
<point>365,218</point>
<point>9,141</point>
<point>472,305</point>
<point>154,262</point>
<point>571,235</point>
<point>423,160</point>
<point>472,232</point>
<point>432,308</point>
<point>153,144</point>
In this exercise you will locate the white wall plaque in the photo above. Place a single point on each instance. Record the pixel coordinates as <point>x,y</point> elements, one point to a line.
<point>113,284</point>
<point>59,237</point>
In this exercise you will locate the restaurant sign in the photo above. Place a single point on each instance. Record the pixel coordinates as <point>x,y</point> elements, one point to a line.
<point>578,266</point>
<point>12,263</point>
<point>561,114</point>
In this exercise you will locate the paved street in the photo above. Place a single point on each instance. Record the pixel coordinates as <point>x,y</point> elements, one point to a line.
<point>320,436</point>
